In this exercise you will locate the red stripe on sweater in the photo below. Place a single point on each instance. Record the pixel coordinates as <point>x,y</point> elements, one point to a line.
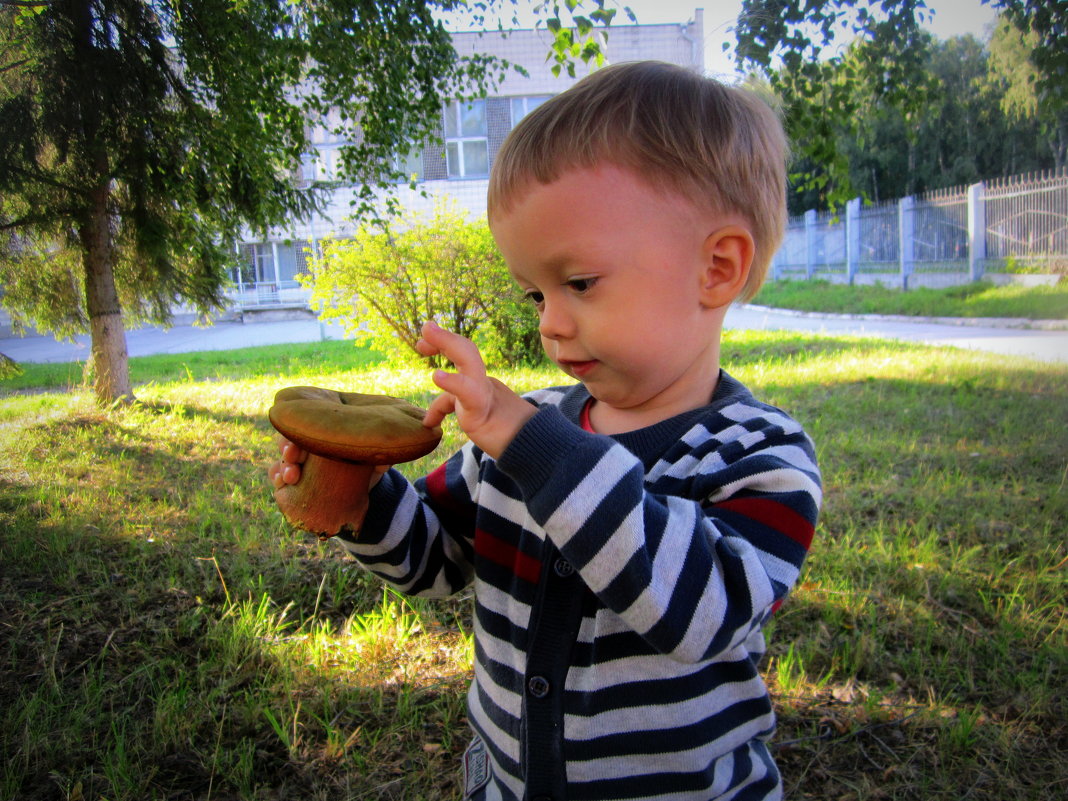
<point>775,515</point>
<point>507,555</point>
<point>438,491</point>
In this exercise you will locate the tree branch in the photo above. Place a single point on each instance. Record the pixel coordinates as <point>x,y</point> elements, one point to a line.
<point>14,64</point>
<point>35,220</point>
<point>42,177</point>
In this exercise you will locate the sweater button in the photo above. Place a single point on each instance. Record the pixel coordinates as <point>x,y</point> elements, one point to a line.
<point>538,686</point>
<point>563,568</point>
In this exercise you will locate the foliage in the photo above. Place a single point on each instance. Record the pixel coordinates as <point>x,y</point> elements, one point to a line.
<point>9,368</point>
<point>384,283</point>
<point>893,88</point>
<point>818,93</point>
<point>511,337</point>
<point>1047,21</point>
<point>1025,95</point>
<point>168,636</point>
<point>964,135</point>
<point>584,41</point>
<point>139,140</point>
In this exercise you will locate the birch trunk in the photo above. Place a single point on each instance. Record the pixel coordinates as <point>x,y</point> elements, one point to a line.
<point>111,381</point>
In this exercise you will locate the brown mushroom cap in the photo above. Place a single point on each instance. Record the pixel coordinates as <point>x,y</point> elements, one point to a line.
<point>365,429</point>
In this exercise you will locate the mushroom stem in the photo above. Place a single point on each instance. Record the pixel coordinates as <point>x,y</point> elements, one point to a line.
<point>331,493</point>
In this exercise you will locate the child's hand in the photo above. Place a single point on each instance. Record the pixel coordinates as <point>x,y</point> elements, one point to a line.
<point>287,469</point>
<point>487,411</point>
<point>333,496</point>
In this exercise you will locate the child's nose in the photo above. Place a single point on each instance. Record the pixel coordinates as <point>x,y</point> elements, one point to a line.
<point>555,321</point>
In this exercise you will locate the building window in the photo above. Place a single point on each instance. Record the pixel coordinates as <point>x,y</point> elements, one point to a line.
<point>255,265</point>
<point>466,143</point>
<point>411,164</point>
<point>329,130</point>
<point>307,170</point>
<point>522,106</point>
<point>327,137</point>
<point>332,163</point>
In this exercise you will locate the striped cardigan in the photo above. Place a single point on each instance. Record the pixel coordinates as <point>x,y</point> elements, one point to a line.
<point>621,585</point>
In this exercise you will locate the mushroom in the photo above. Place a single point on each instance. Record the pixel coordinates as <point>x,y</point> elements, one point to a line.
<point>343,433</point>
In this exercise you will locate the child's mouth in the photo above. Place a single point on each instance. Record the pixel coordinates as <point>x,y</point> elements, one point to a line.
<point>579,369</point>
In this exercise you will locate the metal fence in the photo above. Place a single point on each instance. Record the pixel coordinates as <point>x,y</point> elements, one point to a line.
<point>1016,225</point>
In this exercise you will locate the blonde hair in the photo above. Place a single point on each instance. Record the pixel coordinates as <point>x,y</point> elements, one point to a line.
<point>720,147</point>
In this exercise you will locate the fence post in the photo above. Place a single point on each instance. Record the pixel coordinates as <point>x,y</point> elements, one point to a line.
<point>852,232</point>
<point>810,243</point>
<point>976,231</point>
<point>905,223</point>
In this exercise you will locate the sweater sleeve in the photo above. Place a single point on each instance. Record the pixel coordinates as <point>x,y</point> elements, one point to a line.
<point>694,553</point>
<point>419,537</point>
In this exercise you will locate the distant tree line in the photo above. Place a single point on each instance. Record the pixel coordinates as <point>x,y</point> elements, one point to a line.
<point>899,112</point>
<point>980,121</point>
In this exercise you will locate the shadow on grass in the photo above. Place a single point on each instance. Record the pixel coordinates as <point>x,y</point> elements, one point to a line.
<point>156,609</point>
<point>881,695</point>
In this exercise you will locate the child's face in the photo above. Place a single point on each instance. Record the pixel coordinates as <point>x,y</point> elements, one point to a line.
<point>615,269</point>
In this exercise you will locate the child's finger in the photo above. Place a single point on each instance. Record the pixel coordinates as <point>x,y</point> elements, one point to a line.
<point>440,408</point>
<point>283,473</point>
<point>294,454</point>
<point>290,474</point>
<point>469,394</point>
<point>425,348</point>
<point>459,350</point>
<point>291,452</point>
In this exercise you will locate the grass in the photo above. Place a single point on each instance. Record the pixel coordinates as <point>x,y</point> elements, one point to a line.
<point>165,635</point>
<point>969,300</point>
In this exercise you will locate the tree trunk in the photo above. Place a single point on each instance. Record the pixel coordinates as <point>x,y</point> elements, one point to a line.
<point>111,380</point>
<point>110,359</point>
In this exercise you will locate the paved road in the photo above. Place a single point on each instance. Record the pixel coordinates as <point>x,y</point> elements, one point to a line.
<point>1000,337</point>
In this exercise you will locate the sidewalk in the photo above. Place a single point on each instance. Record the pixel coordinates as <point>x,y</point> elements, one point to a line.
<point>177,339</point>
<point>1047,341</point>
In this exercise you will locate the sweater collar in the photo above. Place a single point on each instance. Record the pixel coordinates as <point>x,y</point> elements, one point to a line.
<point>648,443</point>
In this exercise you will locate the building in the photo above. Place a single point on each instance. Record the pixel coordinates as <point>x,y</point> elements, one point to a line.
<point>459,168</point>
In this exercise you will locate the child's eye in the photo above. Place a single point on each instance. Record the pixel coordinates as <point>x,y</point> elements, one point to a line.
<point>535,297</point>
<point>581,285</point>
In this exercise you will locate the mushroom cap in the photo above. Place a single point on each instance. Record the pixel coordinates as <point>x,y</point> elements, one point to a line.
<point>351,426</point>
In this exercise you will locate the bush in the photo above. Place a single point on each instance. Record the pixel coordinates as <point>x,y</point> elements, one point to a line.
<point>384,283</point>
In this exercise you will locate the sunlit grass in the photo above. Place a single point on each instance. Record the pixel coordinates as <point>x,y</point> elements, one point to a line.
<point>167,634</point>
<point>980,299</point>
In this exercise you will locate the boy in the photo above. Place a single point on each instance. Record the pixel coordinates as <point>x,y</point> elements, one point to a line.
<point>627,536</point>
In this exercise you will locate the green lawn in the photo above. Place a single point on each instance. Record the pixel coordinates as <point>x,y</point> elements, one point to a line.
<point>969,300</point>
<point>165,635</point>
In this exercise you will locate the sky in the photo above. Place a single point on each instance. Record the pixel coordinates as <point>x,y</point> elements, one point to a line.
<point>949,18</point>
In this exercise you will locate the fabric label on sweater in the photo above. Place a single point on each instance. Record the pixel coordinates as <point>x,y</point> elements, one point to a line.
<point>476,767</point>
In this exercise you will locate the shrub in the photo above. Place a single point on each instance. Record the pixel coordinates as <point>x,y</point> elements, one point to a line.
<point>385,282</point>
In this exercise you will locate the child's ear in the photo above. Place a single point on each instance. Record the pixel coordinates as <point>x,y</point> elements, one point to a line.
<point>727,256</point>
